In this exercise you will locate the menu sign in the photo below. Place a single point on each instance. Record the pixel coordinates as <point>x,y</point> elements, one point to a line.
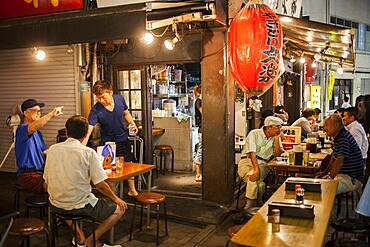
<point>21,8</point>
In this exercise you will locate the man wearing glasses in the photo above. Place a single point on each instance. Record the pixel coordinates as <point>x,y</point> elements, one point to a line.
<point>30,145</point>
<point>260,147</point>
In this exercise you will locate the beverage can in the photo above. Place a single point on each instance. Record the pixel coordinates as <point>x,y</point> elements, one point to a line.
<point>131,130</point>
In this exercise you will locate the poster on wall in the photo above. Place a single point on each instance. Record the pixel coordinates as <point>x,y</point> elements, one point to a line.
<point>21,8</point>
<point>285,7</point>
<point>315,96</point>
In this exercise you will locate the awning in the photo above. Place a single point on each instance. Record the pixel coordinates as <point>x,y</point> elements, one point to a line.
<point>330,44</point>
<point>93,25</point>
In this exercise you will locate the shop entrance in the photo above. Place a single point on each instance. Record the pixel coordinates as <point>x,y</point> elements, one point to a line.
<point>174,138</point>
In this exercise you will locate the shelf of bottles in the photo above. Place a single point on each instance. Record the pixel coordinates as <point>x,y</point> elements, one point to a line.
<point>169,83</point>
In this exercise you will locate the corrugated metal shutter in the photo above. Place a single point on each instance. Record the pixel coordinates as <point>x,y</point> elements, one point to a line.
<point>52,81</point>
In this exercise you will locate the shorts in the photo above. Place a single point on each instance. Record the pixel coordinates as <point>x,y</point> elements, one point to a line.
<point>102,209</point>
<point>124,149</point>
<point>31,181</point>
<point>198,155</point>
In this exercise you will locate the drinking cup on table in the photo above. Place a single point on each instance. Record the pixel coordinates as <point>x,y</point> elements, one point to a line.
<point>119,165</point>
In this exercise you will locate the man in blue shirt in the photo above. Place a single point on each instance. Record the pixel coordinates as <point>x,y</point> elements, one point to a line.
<point>110,112</point>
<point>30,145</point>
<point>346,164</point>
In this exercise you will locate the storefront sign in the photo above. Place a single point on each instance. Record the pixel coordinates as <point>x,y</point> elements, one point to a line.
<point>315,96</point>
<point>285,7</point>
<point>255,48</point>
<point>20,8</point>
<point>331,85</point>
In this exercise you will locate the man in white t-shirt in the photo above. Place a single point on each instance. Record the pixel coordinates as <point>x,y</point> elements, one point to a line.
<point>261,145</point>
<point>356,129</point>
<point>70,167</point>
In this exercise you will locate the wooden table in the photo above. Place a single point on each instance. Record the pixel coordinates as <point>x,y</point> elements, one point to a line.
<point>293,231</point>
<point>130,169</point>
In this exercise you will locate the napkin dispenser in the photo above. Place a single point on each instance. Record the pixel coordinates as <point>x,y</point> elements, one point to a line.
<point>293,209</point>
<point>308,186</point>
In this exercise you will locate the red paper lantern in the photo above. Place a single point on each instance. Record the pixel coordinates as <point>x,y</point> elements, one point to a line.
<point>255,48</point>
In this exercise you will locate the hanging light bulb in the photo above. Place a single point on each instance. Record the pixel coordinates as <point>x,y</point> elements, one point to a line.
<point>302,60</point>
<point>340,70</point>
<point>39,54</point>
<point>70,49</point>
<point>148,38</point>
<point>292,59</point>
<point>170,44</point>
<point>317,56</point>
<point>314,64</point>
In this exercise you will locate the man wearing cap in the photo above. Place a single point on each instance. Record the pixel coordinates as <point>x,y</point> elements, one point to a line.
<point>260,147</point>
<point>30,145</point>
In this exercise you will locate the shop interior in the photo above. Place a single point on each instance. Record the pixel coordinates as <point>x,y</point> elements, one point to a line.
<point>175,135</point>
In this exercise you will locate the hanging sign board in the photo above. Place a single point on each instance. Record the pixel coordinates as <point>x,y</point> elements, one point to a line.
<point>21,8</point>
<point>315,96</point>
<point>285,7</point>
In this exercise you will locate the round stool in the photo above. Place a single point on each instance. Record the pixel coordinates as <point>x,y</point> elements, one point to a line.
<point>37,201</point>
<point>17,195</point>
<point>75,219</point>
<point>25,227</point>
<point>149,198</point>
<point>162,149</point>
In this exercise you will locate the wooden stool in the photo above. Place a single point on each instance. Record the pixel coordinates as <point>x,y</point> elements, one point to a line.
<point>25,227</point>
<point>17,196</point>
<point>75,219</point>
<point>231,231</point>
<point>162,149</point>
<point>37,201</point>
<point>149,198</point>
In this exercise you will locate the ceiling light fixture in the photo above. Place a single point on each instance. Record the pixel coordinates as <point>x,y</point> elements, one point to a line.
<point>292,59</point>
<point>314,64</point>
<point>39,54</point>
<point>302,60</point>
<point>317,56</point>
<point>70,49</point>
<point>170,44</point>
<point>148,38</point>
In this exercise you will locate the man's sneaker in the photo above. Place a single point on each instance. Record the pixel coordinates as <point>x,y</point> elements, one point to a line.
<point>116,245</point>
<point>78,245</point>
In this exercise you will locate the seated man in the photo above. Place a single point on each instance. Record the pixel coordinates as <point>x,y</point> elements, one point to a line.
<point>261,145</point>
<point>70,167</point>
<point>305,122</point>
<point>30,146</point>
<point>356,130</point>
<point>346,164</point>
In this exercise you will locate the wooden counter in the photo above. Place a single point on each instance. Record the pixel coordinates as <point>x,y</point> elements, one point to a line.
<point>293,231</point>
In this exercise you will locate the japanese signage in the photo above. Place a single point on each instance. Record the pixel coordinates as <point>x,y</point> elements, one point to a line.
<point>21,8</point>
<point>255,45</point>
<point>315,96</point>
<point>285,7</point>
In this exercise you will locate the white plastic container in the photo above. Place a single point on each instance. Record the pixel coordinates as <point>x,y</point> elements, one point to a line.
<point>169,106</point>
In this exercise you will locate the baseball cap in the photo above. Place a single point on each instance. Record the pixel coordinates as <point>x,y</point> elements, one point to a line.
<point>30,103</point>
<point>270,121</point>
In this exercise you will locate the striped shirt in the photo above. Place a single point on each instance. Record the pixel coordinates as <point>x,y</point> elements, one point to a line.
<point>346,146</point>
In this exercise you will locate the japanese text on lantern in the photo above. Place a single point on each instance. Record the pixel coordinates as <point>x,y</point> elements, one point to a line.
<point>36,2</point>
<point>270,62</point>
